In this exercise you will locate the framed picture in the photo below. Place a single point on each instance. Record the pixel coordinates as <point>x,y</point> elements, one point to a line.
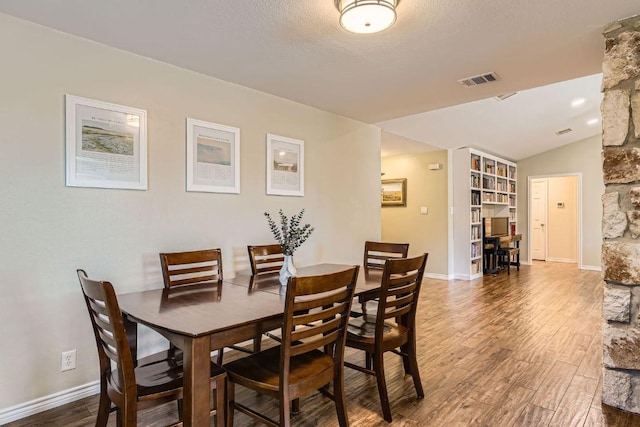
<point>285,166</point>
<point>106,145</point>
<point>394,192</point>
<point>213,157</point>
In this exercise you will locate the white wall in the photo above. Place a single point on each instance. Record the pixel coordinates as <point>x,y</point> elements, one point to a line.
<point>49,230</point>
<point>583,157</point>
<point>428,188</point>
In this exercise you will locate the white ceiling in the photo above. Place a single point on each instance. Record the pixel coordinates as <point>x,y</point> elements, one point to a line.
<point>297,49</point>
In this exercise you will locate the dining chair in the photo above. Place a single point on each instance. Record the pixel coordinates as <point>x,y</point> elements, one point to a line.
<point>265,258</point>
<point>393,328</point>
<point>194,267</point>
<point>375,255</point>
<point>315,317</point>
<point>129,387</point>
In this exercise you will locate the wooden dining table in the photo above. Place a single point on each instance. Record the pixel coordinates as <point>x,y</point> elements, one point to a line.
<point>204,317</point>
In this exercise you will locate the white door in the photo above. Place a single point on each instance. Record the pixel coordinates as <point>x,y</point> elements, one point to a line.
<point>539,219</point>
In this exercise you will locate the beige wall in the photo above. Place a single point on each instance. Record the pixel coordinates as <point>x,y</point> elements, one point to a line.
<point>580,157</point>
<point>562,222</point>
<point>49,230</point>
<point>424,233</point>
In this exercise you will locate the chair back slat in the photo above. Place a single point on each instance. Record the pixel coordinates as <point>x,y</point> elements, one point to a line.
<point>325,300</point>
<point>190,268</point>
<point>265,258</point>
<point>109,332</point>
<point>399,292</point>
<point>376,253</point>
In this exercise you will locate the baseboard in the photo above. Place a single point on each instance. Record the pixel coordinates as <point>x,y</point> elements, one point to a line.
<point>48,402</point>
<point>591,267</point>
<point>438,276</point>
<point>565,260</point>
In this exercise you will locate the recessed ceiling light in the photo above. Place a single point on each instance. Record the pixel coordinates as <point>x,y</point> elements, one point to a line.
<point>593,121</point>
<point>578,102</point>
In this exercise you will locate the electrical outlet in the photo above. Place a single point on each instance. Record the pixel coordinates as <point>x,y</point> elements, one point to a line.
<point>68,360</point>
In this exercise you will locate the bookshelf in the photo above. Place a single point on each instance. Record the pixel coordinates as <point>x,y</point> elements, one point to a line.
<point>484,185</point>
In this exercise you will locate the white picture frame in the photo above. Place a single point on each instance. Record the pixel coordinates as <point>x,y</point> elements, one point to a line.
<point>285,166</point>
<point>106,145</point>
<point>213,157</point>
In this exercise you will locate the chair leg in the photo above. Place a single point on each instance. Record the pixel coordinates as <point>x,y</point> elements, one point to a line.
<point>339,396</point>
<point>257,343</point>
<point>230,403</point>
<point>220,354</point>
<point>295,406</point>
<point>104,406</point>
<point>413,368</point>
<point>285,411</point>
<point>378,367</point>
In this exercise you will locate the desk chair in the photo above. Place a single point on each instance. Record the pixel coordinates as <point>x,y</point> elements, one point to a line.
<point>129,387</point>
<point>376,335</point>
<point>315,316</point>
<point>507,253</point>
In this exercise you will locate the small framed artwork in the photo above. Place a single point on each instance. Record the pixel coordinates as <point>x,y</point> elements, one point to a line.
<point>394,192</point>
<point>106,145</point>
<point>285,166</point>
<point>213,157</point>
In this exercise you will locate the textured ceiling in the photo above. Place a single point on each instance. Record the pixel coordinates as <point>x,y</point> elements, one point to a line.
<point>297,49</point>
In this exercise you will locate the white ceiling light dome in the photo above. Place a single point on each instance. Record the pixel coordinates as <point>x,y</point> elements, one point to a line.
<point>366,16</point>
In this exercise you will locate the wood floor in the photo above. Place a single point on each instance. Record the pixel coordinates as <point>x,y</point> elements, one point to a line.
<point>519,350</point>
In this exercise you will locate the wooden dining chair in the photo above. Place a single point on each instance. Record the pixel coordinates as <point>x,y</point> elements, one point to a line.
<point>194,267</point>
<point>375,255</point>
<point>319,306</point>
<point>129,387</point>
<point>189,268</point>
<point>393,329</point>
<point>265,258</point>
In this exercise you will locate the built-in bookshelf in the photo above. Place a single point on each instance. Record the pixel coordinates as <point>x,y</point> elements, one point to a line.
<point>484,185</point>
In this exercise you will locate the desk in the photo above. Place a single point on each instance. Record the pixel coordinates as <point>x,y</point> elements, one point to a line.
<point>491,244</point>
<point>201,318</point>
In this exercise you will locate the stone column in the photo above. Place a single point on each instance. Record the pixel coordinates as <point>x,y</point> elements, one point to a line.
<point>621,215</point>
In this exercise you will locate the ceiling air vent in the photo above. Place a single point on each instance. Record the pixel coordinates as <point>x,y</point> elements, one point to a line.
<point>504,96</point>
<point>563,131</point>
<point>479,79</point>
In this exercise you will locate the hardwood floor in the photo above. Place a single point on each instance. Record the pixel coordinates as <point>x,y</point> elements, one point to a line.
<point>519,350</point>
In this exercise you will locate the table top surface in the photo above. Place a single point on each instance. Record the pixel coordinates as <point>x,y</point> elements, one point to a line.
<point>203,309</point>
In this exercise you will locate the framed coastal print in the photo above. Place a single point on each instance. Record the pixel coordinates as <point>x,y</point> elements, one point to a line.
<point>394,192</point>
<point>213,157</point>
<point>106,145</point>
<point>285,166</point>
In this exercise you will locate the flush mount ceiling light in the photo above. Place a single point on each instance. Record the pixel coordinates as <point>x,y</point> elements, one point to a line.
<point>366,16</point>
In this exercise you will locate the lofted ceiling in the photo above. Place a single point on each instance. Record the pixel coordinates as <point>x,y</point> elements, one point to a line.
<point>297,49</point>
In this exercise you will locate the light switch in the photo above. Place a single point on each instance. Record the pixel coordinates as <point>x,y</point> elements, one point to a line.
<point>424,210</point>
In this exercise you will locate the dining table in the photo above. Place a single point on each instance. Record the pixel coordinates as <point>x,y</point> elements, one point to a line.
<point>209,316</point>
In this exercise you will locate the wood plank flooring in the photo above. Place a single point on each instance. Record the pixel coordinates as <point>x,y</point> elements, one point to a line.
<point>519,350</point>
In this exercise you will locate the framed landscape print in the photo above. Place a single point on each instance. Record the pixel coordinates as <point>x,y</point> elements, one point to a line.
<point>285,166</point>
<point>213,157</point>
<point>394,192</point>
<point>106,145</point>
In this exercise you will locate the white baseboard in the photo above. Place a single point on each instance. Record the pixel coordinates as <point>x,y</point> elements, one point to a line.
<point>48,402</point>
<point>591,267</point>
<point>438,276</point>
<point>566,260</point>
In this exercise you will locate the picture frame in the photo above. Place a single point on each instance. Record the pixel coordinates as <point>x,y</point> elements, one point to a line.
<point>106,145</point>
<point>394,192</point>
<point>213,157</point>
<point>285,166</point>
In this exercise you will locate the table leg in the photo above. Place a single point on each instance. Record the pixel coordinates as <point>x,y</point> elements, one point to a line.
<point>197,389</point>
<point>131,329</point>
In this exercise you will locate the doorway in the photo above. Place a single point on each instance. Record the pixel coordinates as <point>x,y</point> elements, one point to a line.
<point>555,213</point>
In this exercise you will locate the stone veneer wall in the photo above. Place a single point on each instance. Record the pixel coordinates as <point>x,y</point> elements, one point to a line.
<point>621,215</point>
